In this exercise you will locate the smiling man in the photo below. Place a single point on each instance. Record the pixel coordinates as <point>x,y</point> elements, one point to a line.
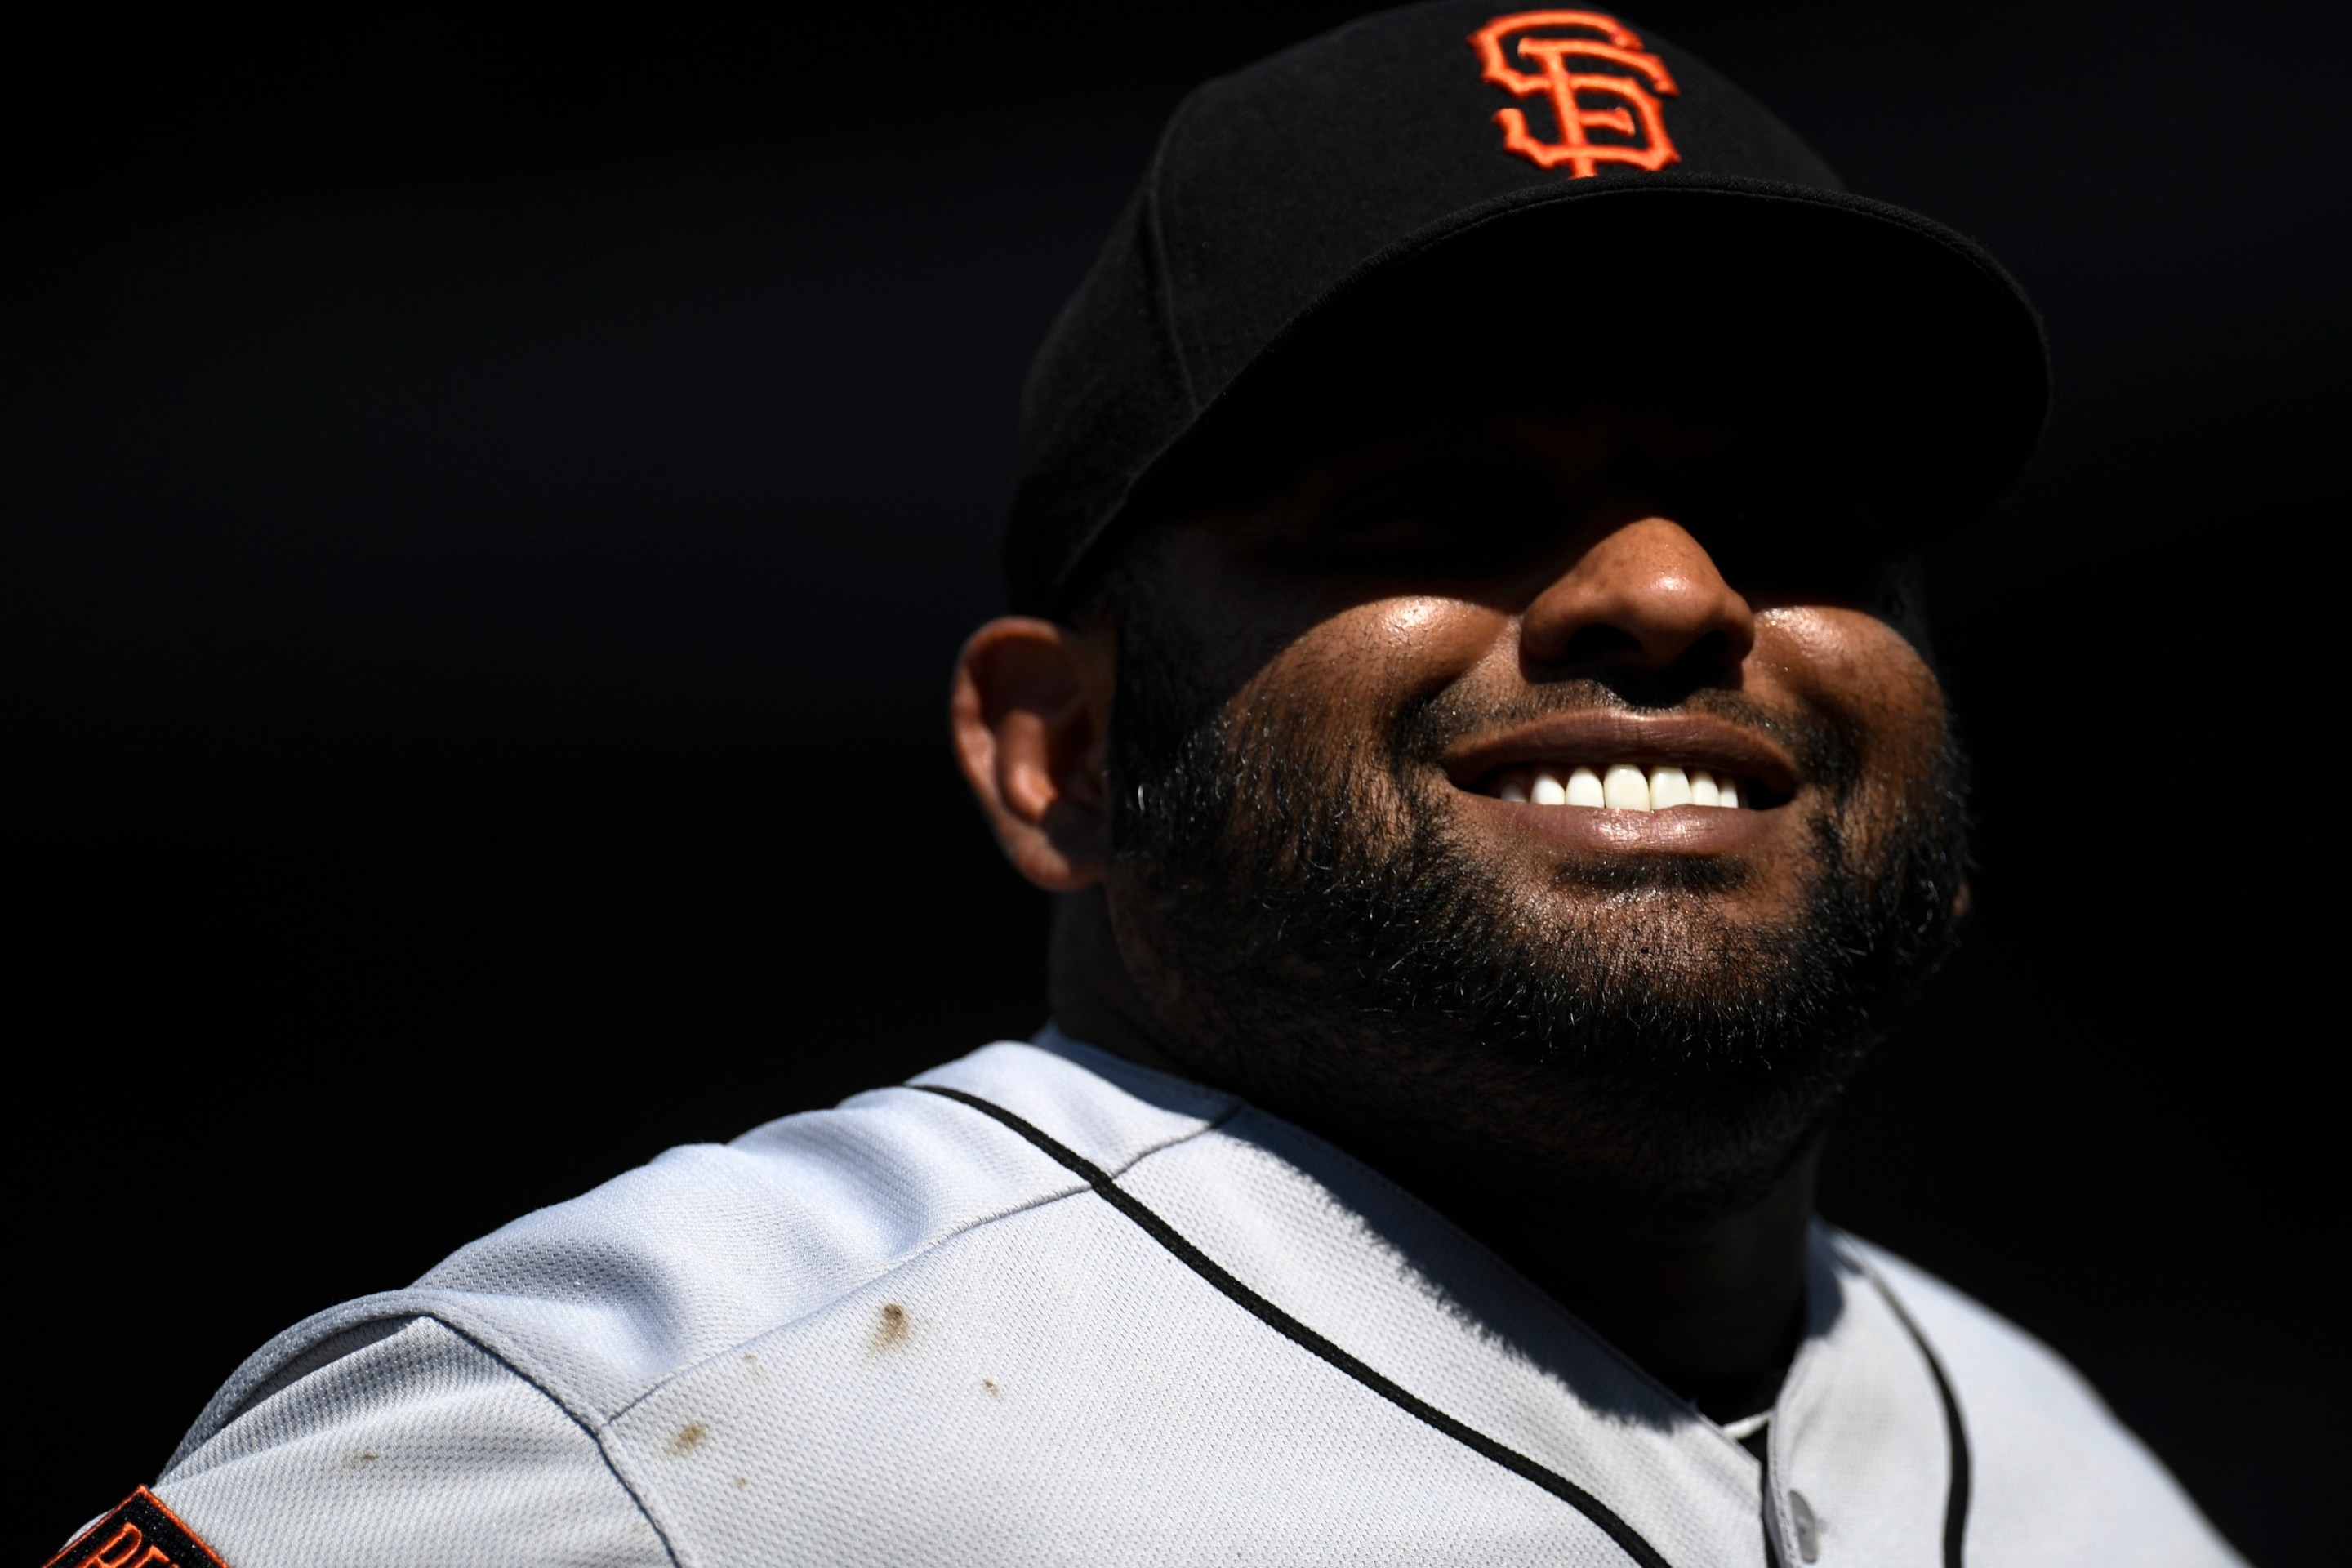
<point>1471,705</point>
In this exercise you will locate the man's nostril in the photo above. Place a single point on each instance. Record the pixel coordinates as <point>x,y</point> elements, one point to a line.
<point>1710,657</point>
<point>1600,642</point>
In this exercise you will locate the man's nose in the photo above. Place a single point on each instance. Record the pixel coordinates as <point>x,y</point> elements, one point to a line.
<point>1647,595</point>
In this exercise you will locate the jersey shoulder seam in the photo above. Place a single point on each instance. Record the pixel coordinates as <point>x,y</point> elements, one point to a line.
<point>413,1308</point>
<point>640,1489</point>
<point>1078,1188</point>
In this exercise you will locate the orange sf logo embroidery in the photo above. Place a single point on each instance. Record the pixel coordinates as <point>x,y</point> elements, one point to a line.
<point>1547,40</point>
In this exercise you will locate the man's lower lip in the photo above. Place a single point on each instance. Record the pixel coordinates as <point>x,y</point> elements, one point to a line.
<point>1682,829</point>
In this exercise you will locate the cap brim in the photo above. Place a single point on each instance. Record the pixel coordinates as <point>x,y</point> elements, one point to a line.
<point>1878,324</point>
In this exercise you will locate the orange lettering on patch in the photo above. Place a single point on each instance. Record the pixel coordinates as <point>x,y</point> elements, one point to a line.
<point>128,1538</point>
<point>1549,40</point>
<point>139,1532</point>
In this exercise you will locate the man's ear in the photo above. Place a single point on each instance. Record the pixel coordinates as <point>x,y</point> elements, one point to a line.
<point>1031,715</point>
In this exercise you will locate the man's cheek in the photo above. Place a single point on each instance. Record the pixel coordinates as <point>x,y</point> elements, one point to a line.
<point>1346,676</point>
<point>1869,680</point>
<point>1850,664</point>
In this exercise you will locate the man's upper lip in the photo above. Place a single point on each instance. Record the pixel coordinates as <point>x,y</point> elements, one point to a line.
<point>1595,738</point>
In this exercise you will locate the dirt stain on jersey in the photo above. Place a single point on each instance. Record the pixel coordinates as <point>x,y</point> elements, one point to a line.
<point>361,1461</point>
<point>993,1392</point>
<point>689,1437</point>
<point>894,1328</point>
<point>751,1366</point>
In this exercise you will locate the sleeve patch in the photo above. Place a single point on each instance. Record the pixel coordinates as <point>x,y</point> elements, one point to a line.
<point>139,1532</point>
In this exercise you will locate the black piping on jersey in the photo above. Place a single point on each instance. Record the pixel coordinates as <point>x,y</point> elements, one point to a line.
<point>1956,1496</point>
<point>1307,1339</point>
<point>1763,1451</point>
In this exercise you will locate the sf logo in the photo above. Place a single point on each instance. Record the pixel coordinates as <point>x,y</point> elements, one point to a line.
<point>1527,54</point>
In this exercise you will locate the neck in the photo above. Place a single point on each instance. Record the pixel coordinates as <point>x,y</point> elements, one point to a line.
<point>1709,1304</point>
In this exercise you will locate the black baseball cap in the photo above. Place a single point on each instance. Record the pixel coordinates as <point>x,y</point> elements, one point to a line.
<point>1437,200</point>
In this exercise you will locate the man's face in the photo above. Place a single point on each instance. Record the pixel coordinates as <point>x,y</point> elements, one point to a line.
<point>1349,710</point>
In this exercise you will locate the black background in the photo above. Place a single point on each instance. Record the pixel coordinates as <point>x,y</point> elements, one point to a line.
<point>492,512</point>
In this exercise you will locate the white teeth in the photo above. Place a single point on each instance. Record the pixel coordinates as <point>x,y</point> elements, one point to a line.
<point>1668,787</point>
<point>1622,788</point>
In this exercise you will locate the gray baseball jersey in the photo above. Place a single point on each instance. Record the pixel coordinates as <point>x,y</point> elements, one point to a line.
<point>1043,1306</point>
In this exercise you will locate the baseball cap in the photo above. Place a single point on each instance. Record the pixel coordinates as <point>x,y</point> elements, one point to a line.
<point>1439,199</point>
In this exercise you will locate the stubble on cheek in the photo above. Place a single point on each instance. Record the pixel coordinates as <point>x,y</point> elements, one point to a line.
<point>1312,733</point>
<point>1267,798</point>
<point>1884,720</point>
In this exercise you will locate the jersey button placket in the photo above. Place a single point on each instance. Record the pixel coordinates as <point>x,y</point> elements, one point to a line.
<point>1807,1529</point>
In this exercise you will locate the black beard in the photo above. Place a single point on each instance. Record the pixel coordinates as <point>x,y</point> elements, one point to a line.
<point>1312,937</point>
